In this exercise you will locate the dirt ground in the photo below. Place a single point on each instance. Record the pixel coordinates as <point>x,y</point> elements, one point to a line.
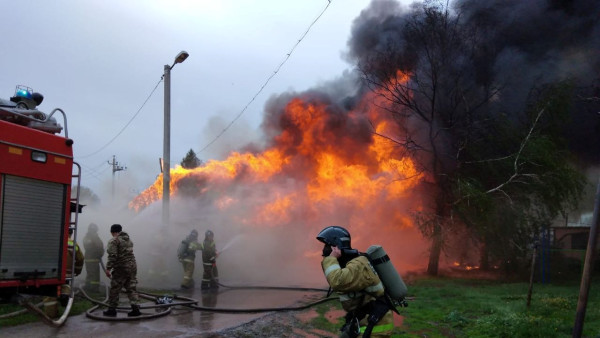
<point>281,324</point>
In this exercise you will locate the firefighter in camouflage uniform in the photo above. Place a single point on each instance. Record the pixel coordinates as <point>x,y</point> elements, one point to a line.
<point>94,250</point>
<point>121,268</point>
<point>210,278</point>
<point>360,290</point>
<point>187,256</point>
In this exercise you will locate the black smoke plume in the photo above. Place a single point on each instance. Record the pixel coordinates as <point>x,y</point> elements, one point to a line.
<point>525,43</point>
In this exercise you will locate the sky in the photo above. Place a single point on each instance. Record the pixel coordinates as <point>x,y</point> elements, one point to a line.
<point>99,61</point>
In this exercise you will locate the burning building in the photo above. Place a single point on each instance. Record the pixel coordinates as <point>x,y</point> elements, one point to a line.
<point>329,157</point>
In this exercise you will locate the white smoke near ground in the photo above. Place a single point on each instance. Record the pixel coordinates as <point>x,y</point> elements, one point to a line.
<point>246,256</point>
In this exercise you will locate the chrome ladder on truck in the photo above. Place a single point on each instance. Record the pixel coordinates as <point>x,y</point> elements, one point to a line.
<point>69,279</point>
<point>73,222</point>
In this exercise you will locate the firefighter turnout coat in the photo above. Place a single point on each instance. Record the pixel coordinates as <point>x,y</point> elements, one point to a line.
<point>358,285</point>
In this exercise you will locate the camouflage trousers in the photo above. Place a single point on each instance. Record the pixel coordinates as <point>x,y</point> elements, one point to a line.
<point>123,279</point>
<point>188,273</point>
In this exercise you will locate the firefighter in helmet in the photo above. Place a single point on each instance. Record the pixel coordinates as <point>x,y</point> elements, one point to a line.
<point>94,250</point>
<point>187,255</point>
<point>360,289</point>
<point>210,278</point>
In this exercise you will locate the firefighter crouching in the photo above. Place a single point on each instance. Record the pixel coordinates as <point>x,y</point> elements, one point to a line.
<point>187,255</point>
<point>210,278</point>
<point>94,250</point>
<point>51,303</point>
<point>360,289</point>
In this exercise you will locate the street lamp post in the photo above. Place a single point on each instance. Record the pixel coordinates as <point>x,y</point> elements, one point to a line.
<point>166,167</point>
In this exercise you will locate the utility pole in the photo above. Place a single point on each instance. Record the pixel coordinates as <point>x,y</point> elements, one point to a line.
<point>115,167</point>
<point>588,267</point>
<point>167,138</point>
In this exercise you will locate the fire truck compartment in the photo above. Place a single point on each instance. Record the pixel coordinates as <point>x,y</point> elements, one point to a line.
<point>31,228</point>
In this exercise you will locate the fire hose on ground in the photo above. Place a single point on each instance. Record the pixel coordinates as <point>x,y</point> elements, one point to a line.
<point>35,309</point>
<point>181,301</point>
<point>18,312</point>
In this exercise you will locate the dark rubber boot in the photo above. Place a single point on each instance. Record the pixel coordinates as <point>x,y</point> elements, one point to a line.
<point>135,311</point>
<point>111,312</point>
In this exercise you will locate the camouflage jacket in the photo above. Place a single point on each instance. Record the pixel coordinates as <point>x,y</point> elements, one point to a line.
<point>120,252</point>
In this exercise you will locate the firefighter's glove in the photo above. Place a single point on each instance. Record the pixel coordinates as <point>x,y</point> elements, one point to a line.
<point>351,329</point>
<point>326,250</point>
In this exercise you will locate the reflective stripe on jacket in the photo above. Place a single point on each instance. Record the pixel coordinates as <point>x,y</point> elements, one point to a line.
<point>209,251</point>
<point>357,284</point>
<point>79,259</point>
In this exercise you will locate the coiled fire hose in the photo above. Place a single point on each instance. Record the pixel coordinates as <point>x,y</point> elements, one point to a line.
<point>176,300</point>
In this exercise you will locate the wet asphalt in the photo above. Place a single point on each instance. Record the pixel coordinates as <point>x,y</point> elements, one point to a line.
<point>181,321</point>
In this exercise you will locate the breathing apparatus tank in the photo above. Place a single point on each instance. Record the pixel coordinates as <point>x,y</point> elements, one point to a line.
<point>388,274</point>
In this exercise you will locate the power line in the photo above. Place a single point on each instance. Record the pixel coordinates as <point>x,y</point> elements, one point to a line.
<point>126,125</point>
<point>268,79</point>
<point>91,172</point>
<point>241,112</point>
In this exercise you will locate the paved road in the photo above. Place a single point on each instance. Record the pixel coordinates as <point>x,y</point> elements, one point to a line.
<point>181,322</point>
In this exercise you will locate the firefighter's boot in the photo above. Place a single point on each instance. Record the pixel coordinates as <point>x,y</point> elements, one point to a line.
<point>135,311</point>
<point>111,312</point>
<point>50,307</point>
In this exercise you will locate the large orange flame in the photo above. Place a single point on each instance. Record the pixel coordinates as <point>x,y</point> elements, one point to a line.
<point>322,162</point>
<point>331,172</point>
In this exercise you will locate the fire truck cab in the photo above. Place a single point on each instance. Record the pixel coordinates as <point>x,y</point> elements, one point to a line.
<point>37,208</point>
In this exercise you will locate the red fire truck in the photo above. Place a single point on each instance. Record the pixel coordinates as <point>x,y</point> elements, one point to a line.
<point>37,207</point>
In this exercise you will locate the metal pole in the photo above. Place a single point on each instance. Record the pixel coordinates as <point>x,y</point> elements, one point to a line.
<point>587,269</point>
<point>167,148</point>
<point>535,246</point>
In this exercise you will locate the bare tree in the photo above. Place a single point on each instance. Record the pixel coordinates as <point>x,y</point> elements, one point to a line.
<point>435,76</point>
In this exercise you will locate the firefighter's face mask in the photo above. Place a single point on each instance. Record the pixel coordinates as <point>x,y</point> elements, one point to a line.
<point>327,250</point>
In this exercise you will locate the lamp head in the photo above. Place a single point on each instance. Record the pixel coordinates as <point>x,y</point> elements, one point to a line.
<point>181,56</point>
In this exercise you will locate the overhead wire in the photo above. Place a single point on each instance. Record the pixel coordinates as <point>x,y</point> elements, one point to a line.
<point>126,125</point>
<point>94,172</point>
<point>286,58</point>
<point>288,55</point>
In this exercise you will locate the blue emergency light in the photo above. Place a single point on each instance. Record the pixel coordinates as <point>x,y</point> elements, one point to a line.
<point>23,91</point>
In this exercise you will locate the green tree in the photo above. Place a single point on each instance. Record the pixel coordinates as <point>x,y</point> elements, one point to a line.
<point>191,161</point>
<point>510,198</point>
